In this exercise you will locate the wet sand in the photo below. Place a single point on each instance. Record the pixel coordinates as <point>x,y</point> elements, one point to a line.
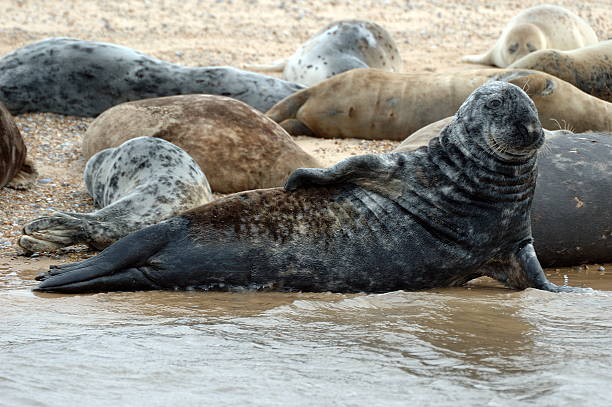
<point>476,345</point>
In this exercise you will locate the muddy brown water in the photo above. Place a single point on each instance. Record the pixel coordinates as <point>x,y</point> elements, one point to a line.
<point>475,345</point>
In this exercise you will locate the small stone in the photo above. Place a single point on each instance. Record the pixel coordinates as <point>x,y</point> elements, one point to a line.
<point>601,268</point>
<point>45,181</point>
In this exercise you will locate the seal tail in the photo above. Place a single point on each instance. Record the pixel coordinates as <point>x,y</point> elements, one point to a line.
<point>276,66</point>
<point>120,267</point>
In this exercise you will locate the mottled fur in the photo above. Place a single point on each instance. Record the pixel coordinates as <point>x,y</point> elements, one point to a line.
<point>339,47</point>
<point>142,182</point>
<point>438,216</point>
<point>85,78</point>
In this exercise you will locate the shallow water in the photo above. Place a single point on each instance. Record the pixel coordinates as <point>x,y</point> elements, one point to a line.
<point>479,345</point>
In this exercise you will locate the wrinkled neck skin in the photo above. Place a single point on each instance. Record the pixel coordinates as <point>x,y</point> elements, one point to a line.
<point>492,177</point>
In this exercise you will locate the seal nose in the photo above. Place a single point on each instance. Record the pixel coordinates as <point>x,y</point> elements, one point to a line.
<point>530,134</point>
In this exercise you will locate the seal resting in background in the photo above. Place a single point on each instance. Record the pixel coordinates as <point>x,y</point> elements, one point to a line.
<point>84,78</point>
<point>588,68</point>
<point>434,217</point>
<point>372,104</point>
<point>572,209</point>
<point>536,28</point>
<point>139,183</point>
<point>339,47</point>
<point>16,170</point>
<point>237,147</point>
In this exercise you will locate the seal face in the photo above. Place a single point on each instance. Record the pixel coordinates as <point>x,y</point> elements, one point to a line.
<point>588,68</point>
<point>339,47</point>
<point>536,28</point>
<point>438,216</point>
<point>85,78</point>
<point>142,182</point>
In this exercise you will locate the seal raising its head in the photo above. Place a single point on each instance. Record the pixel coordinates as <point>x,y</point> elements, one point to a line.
<point>437,216</point>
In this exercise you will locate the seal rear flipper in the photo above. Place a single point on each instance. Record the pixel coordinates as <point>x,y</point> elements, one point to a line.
<point>110,266</point>
<point>25,178</point>
<point>276,66</point>
<point>289,106</point>
<point>296,128</point>
<point>52,232</point>
<point>132,279</point>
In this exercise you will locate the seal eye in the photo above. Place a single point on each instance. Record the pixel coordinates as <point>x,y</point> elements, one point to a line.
<point>494,103</point>
<point>512,49</point>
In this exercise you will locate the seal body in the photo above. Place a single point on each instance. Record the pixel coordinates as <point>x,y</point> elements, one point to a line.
<point>372,104</point>
<point>588,68</point>
<point>536,28</point>
<point>434,217</point>
<point>236,146</point>
<point>139,183</point>
<point>572,207</point>
<point>15,169</point>
<point>84,78</point>
<point>339,47</point>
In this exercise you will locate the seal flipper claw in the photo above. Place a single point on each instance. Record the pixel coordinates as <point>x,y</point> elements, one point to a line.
<point>535,275</point>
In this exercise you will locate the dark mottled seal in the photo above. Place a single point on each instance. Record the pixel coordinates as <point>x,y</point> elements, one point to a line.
<point>588,68</point>
<point>142,182</point>
<point>540,27</point>
<point>438,216</point>
<point>572,209</point>
<point>84,78</point>
<point>339,47</point>
<point>373,104</point>
<point>16,170</point>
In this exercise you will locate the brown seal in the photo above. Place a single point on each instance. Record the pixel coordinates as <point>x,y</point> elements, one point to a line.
<point>237,147</point>
<point>536,28</point>
<point>373,104</point>
<point>16,170</point>
<point>588,68</point>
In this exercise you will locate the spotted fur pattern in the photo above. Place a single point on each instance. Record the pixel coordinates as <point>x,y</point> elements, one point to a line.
<point>142,182</point>
<point>437,216</point>
<point>85,78</point>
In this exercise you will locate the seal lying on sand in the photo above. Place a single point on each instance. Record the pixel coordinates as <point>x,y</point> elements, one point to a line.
<point>536,28</point>
<point>438,216</point>
<point>84,78</point>
<point>571,211</point>
<point>236,146</point>
<point>142,182</point>
<point>372,104</point>
<point>588,68</point>
<point>339,47</point>
<point>16,170</point>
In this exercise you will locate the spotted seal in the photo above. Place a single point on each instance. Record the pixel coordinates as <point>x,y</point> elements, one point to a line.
<point>536,28</point>
<point>16,170</point>
<point>84,78</point>
<point>373,104</point>
<point>339,47</point>
<point>438,216</point>
<point>571,209</point>
<point>142,182</point>
<point>588,68</point>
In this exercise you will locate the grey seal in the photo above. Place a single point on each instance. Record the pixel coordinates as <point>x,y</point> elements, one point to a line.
<point>85,78</point>
<point>571,210</point>
<point>16,169</point>
<point>339,47</point>
<point>142,182</point>
<point>540,27</point>
<point>438,216</point>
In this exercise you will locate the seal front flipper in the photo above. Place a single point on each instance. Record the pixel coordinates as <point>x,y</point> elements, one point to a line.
<point>351,170</point>
<point>121,267</point>
<point>523,270</point>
